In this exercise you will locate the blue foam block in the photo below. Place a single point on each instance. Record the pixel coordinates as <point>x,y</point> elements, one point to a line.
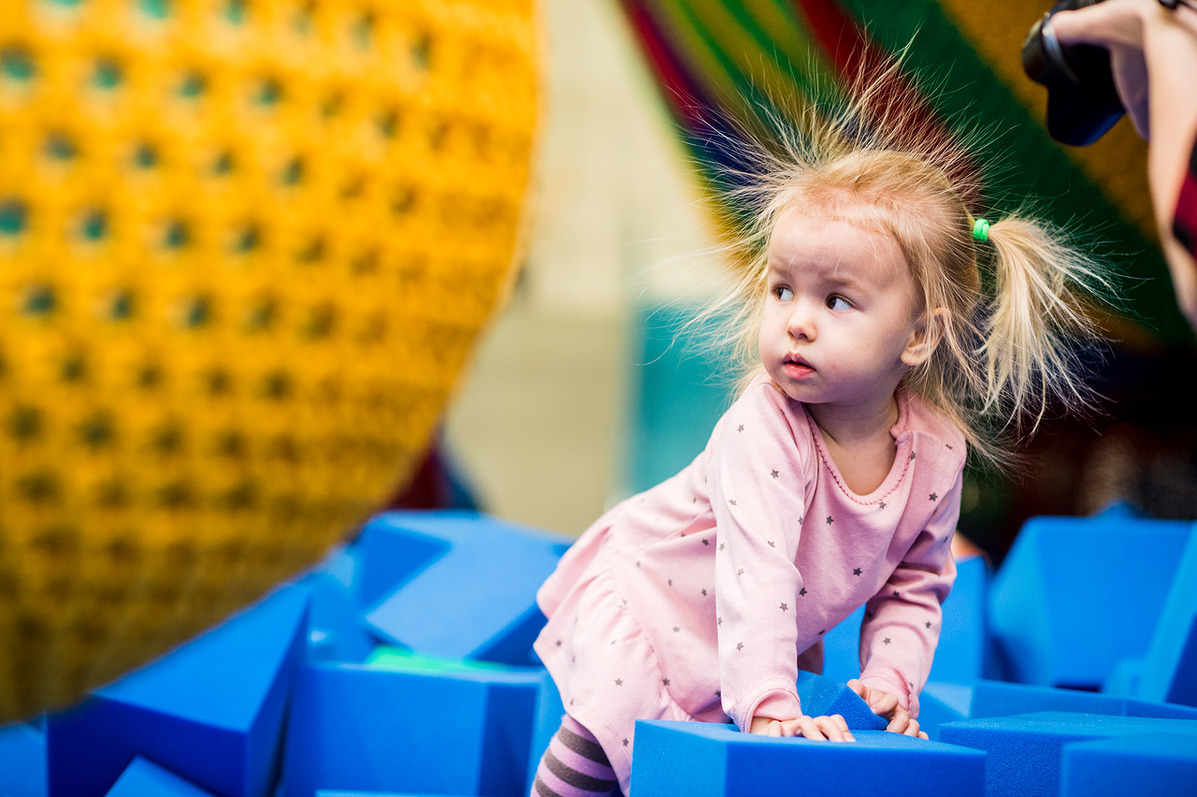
<point>144,778</point>
<point>700,759</point>
<point>22,761</point>
<point>822,696</point>
<point>357,727</point>
<point>1024,752</point>
<point>1076,595</point>
<point>1000,699</point>
<point>549,711</point>
<point>478,599</point>
<point>387,557</point>
<point>335,628</point>
<point>211,711</point>
<point>1124,678</point>
<point>1149,764</point>
<point>940,703</point>
<point>963,653</point>
<point>1168,672</point>
<point>841,648</point>
<point>549,708</point>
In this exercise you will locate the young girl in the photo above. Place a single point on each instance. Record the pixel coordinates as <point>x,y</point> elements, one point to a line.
<point>833,481</point>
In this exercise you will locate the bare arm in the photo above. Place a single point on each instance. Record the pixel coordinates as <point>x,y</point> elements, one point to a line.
<point>1153,52</point>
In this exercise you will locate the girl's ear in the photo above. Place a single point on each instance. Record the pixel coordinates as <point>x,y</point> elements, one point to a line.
<point>925,337</point>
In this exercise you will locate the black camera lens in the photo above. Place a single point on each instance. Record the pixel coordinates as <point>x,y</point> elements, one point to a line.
<point>1082,100</point>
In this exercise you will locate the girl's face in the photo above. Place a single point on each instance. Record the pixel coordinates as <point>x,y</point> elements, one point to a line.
<point>841,321</point>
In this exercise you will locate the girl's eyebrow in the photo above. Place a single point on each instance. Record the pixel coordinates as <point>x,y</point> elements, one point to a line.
<point>836,280</point>
<point>832,279</point>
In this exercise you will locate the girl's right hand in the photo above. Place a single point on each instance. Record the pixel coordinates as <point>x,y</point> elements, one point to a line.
<point>831,728</point>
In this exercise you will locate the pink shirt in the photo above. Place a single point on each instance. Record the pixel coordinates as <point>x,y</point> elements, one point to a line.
<point>712,583</point>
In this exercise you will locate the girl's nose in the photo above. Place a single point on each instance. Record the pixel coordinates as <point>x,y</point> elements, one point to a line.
<point>801,323</point>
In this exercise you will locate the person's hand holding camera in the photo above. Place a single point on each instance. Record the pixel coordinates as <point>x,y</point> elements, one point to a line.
<point>1146,51</point>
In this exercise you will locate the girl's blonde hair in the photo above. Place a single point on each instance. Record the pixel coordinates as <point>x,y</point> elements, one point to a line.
<point>1006,347</point>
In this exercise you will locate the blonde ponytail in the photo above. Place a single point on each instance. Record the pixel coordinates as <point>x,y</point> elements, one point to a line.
<point>1033,321</point>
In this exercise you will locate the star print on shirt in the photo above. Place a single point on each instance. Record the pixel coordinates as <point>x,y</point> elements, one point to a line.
<point>912,456</point>
<point>619,682</point>
<point>664,682</point>
<point>774,474</point>
<point>740,572</point>
<point>740,428</point>
<point>928,623</point>
<point>739,646</point>
<point>934,496</point>
<point>705,541</point>
<point>885,641</point>
<point>783,607</point>
<point>771,543</point>
<point>830,520</point>
<point>802,591</point>
<point>881,505</point>
<point>731,501</point>
<point>856,572</point>
<point>896,595</point>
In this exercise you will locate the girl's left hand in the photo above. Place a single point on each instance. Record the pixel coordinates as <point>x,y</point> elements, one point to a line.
<point>885,704</point>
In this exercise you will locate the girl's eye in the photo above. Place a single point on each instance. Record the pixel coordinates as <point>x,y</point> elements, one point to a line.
<point>782,293</point>
<point>838,303</point>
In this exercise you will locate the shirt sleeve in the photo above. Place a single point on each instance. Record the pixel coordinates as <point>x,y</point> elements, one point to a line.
<point>901,625</point>
<point>758,490</point>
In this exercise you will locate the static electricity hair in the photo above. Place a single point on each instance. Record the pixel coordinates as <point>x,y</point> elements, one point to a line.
<point>1014,304</point>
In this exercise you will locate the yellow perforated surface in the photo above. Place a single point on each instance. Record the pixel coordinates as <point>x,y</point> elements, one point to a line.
<point>245,248</point>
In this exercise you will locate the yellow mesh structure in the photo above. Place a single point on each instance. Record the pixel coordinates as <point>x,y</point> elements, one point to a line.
<point>245,249</point>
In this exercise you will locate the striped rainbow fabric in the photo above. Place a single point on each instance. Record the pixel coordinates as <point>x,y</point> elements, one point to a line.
<point>716,60</point>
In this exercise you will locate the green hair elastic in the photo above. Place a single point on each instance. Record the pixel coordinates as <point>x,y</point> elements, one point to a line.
<point>981,230</point>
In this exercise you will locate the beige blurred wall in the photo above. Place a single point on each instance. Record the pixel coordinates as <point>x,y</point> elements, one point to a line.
<point>537,425</point>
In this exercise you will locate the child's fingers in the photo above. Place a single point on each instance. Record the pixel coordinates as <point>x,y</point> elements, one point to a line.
<point>885,704</point>
<point>791,727</point>
<point>810,728</point>
<point>903,723</point>
<point>835,728</point>
<point>840,723</point>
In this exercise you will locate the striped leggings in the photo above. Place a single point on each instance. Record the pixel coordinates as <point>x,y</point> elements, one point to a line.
<point>574,765</point>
